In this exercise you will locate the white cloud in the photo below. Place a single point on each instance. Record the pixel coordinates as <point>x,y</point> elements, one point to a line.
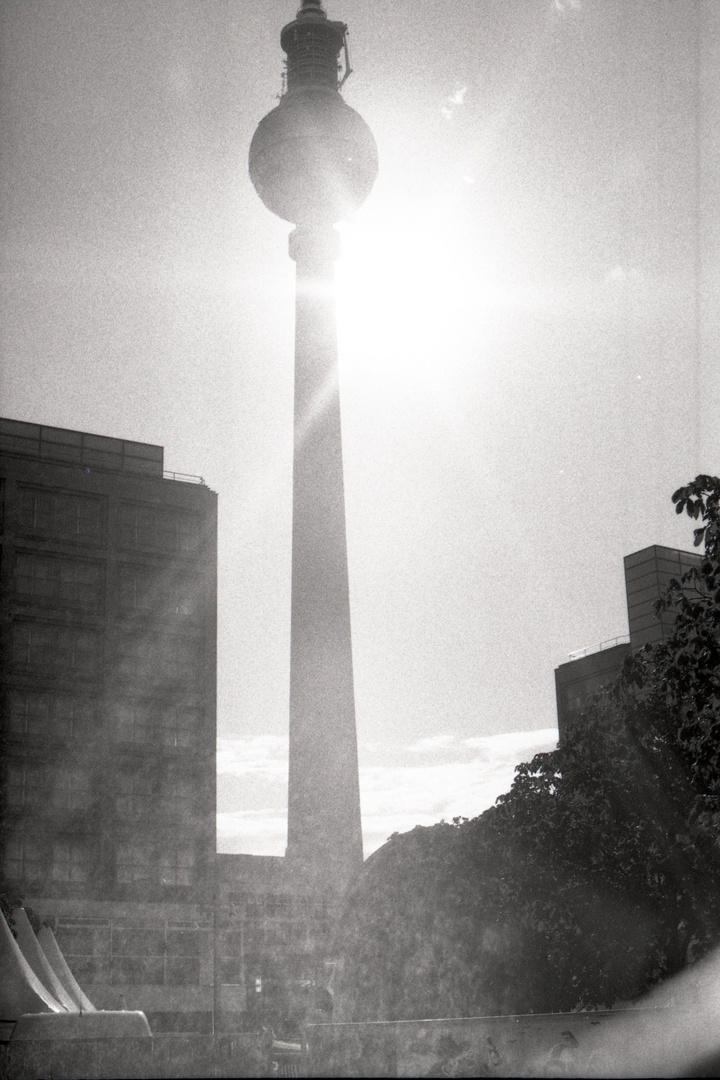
<point>432,743</point>
<point>263,755</point>
<point>453,102</point>
<point>513,743</point>
<point>396,797</point>
<point>252,827</point>
<point>622,273</point>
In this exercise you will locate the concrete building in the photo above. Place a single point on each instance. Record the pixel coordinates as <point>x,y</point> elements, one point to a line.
<point>107,676</point>
<point>647,576</point>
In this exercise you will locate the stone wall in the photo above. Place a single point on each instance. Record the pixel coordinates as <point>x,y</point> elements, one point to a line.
<point>170,1056</point>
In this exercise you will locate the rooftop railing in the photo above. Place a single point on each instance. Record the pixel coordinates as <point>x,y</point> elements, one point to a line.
<point>622,639</point>
<point>184,478</point>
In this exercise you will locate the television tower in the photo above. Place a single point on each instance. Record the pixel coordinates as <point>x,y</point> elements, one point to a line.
<point>313,161</point>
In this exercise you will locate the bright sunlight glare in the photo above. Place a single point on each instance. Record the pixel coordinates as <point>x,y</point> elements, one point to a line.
<point>411,296</point>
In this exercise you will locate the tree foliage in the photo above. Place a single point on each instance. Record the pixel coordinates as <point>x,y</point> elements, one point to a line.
<point>595,877</point>
<point>680,678</point>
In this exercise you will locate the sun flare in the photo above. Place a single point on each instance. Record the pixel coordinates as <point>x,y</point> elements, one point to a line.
<point>413,295</point>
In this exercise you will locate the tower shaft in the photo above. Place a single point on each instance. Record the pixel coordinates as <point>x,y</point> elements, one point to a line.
<point>313,161</point>
<point>324,830</point>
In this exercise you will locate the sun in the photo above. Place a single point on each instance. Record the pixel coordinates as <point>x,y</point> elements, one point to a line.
<point>414,296</point>
<point>394,287</point>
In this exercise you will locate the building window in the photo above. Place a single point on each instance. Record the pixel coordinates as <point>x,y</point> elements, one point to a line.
<point>25,785</point>
<point>179,530</point>
<point>159,528</point>
<point>186,940</point>
<point>155,660</point>
<point>70,861</point>
<point>60,514</point>
<point>29,712</point>
<point>135,662</point>
<point>179,727</point>
<point>145,721</point>
<point>79,583</point>
<point>55,648</point>
<point>137,970</point>
<point>131,722</point>
<point>137,795</point>
<point>133,864</point>
<point>179,601</point>
<point>34,576</point>
<point>33,645</point>
<point>77,650</point>
<point>154,589</point>
<point>89,970</point>
<point>85,943</point>
<point>231,945</point>
<point>182,970</point>
<point>229,969</point>
<point>178,796</point>
<point>136,588</point>
<point>83,936</point>
<point>278,906</point>
<point>177,866</point>
<point>71,790</point>
<point>138,940</point>
<point>25,859</point>
<point>36,713</point>
<point>70,582</point>
<point>179,658</point>
<point>72,717</point>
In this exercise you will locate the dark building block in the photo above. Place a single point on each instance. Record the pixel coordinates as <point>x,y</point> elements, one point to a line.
<point>647,576</point>
<point>578,680</point>
<point>107,688</point>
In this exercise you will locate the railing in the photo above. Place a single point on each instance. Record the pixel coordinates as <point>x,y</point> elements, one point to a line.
<point>185,478</point>
<point>622,639</point>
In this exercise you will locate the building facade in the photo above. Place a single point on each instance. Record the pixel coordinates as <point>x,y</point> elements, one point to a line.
<point>274,934</point>
<point>647,576</point>
<point>107,677</point>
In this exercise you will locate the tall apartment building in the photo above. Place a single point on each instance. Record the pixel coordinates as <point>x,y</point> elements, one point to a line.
<point>107,679</point>
<point>647,576</point>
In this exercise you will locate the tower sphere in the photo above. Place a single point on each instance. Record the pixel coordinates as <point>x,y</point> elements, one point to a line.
<point>313,158</point>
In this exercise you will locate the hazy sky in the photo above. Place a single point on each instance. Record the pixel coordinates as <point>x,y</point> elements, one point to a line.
<point>528,336</point>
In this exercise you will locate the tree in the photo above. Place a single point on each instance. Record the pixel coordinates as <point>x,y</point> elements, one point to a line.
<point>679,679</point>
<point>595,877</point>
